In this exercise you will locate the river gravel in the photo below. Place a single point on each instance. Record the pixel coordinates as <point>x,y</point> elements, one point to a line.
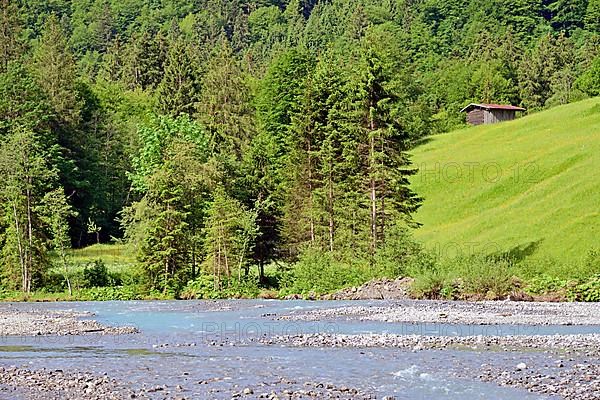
<point>471,313</point>
<point>569,366</point>
<point>588,345</point>
<point>22,383</point>
<point>578,381</point>
<point>34,323</point>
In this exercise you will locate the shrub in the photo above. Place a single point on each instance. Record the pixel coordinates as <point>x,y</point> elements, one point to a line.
<point>203,288</point>
<point>464,277</point>
<point>96,275</point>
<point>322,272</point>
<point>431,284</point>
<point>586,291</point>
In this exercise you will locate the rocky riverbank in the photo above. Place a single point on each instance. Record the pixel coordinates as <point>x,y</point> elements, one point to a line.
<point>378,289</point>
<point>454,312</point>
<point>20,383</point>
<point>572,370</point>
<point>15,322</point>
<point>588,345</point>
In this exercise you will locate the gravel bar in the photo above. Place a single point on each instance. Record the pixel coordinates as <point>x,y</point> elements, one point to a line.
<point>578,381</point>
<point>479,313</point>
<point>43,384</point>
<point>33,323</point>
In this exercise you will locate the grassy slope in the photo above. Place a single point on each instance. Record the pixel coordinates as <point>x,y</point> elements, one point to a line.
<point>546,198</point>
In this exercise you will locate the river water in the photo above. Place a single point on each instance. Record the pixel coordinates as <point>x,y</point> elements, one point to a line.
<point>189,343</point>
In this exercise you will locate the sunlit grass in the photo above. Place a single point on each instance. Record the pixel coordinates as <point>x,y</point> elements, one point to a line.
<point>115,256</point>
<point>531,186</point>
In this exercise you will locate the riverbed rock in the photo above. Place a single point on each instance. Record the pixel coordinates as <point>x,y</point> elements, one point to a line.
<point>378,289</point>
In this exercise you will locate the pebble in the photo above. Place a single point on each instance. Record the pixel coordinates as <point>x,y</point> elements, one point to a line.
<point>454,312</point>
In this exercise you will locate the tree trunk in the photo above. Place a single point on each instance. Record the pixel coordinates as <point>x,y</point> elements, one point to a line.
<point>66,268</point>
<point>310,195</point>
<point>29,259</point>
<point>331,216</point>
<point>21,251</point>
<point>373,194</point>
<point>261,271</point>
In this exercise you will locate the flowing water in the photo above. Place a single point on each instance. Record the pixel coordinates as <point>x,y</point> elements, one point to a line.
<point>188,342</point>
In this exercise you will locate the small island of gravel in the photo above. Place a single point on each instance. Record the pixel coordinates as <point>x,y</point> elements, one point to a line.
<point>17,322</point>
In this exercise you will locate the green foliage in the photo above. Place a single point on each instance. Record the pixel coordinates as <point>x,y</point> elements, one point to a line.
<point>177,91</point>
<point>203,288</point>
<point>54,68</point>
<point>586,291</point>
<point>96,275</point>
<point>217,137</point>
<point>546,284</point>
<point>321,272</point>
<point>589,81</point>
<point>229,235</point>
<point>465,278</point>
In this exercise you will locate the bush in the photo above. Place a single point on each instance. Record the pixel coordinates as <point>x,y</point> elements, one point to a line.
<point>401,255</point>
<point>586,291</point>
<point>322,272</point>
<point>465,278</point>
<point>203,288</point>
<point>96,275</point>
<point>545,284</point>
<point>432,284</point>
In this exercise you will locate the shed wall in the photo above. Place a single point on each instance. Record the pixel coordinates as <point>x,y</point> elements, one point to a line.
<point>475,117</point>
<point>494,116</point>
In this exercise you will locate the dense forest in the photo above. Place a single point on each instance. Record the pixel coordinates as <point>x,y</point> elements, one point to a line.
<point>216,137</point>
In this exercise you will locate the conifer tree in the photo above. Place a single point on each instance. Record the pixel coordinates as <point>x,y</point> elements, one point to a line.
<point>592,16</point>
<point>177,92</point>
<point>11,44</point>
<point>27,177</point>
<point>55,70</point>
<point>56,213</point>
<point>224,106</point>
<point>229,236</point>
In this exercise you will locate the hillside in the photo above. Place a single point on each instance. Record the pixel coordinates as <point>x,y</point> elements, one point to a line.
<point>529,186</point>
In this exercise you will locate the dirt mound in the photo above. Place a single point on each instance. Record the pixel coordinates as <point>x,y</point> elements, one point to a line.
<point>378,289</point>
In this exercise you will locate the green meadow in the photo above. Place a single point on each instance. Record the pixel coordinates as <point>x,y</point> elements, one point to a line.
<point>529,188</point>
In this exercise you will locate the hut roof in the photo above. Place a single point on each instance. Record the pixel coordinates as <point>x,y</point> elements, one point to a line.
<point>491,107</point>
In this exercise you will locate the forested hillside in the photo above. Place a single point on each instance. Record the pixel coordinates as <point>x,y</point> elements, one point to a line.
<point>214,137</point>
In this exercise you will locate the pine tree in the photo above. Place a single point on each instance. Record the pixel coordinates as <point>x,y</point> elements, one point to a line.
<point>143,60</point>
<point>592,16</point>
<point>537,70</point>
<point>55,70</point>
<point>56,213</point>
<point>224,105</point>
<point>567,15</point>
<point>22,102</point>
<point>11,45</point>
<point>177,92</point>
<point>229,236</point>
<point>172,174</point>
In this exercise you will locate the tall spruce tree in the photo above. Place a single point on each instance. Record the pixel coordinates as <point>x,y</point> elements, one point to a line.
<point>11,44</point>
<point>178,91</point>
<point>224,106</point>
<point>55,70</point>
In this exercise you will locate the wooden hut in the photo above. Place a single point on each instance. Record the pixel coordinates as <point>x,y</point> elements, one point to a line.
<point>478,114</point>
